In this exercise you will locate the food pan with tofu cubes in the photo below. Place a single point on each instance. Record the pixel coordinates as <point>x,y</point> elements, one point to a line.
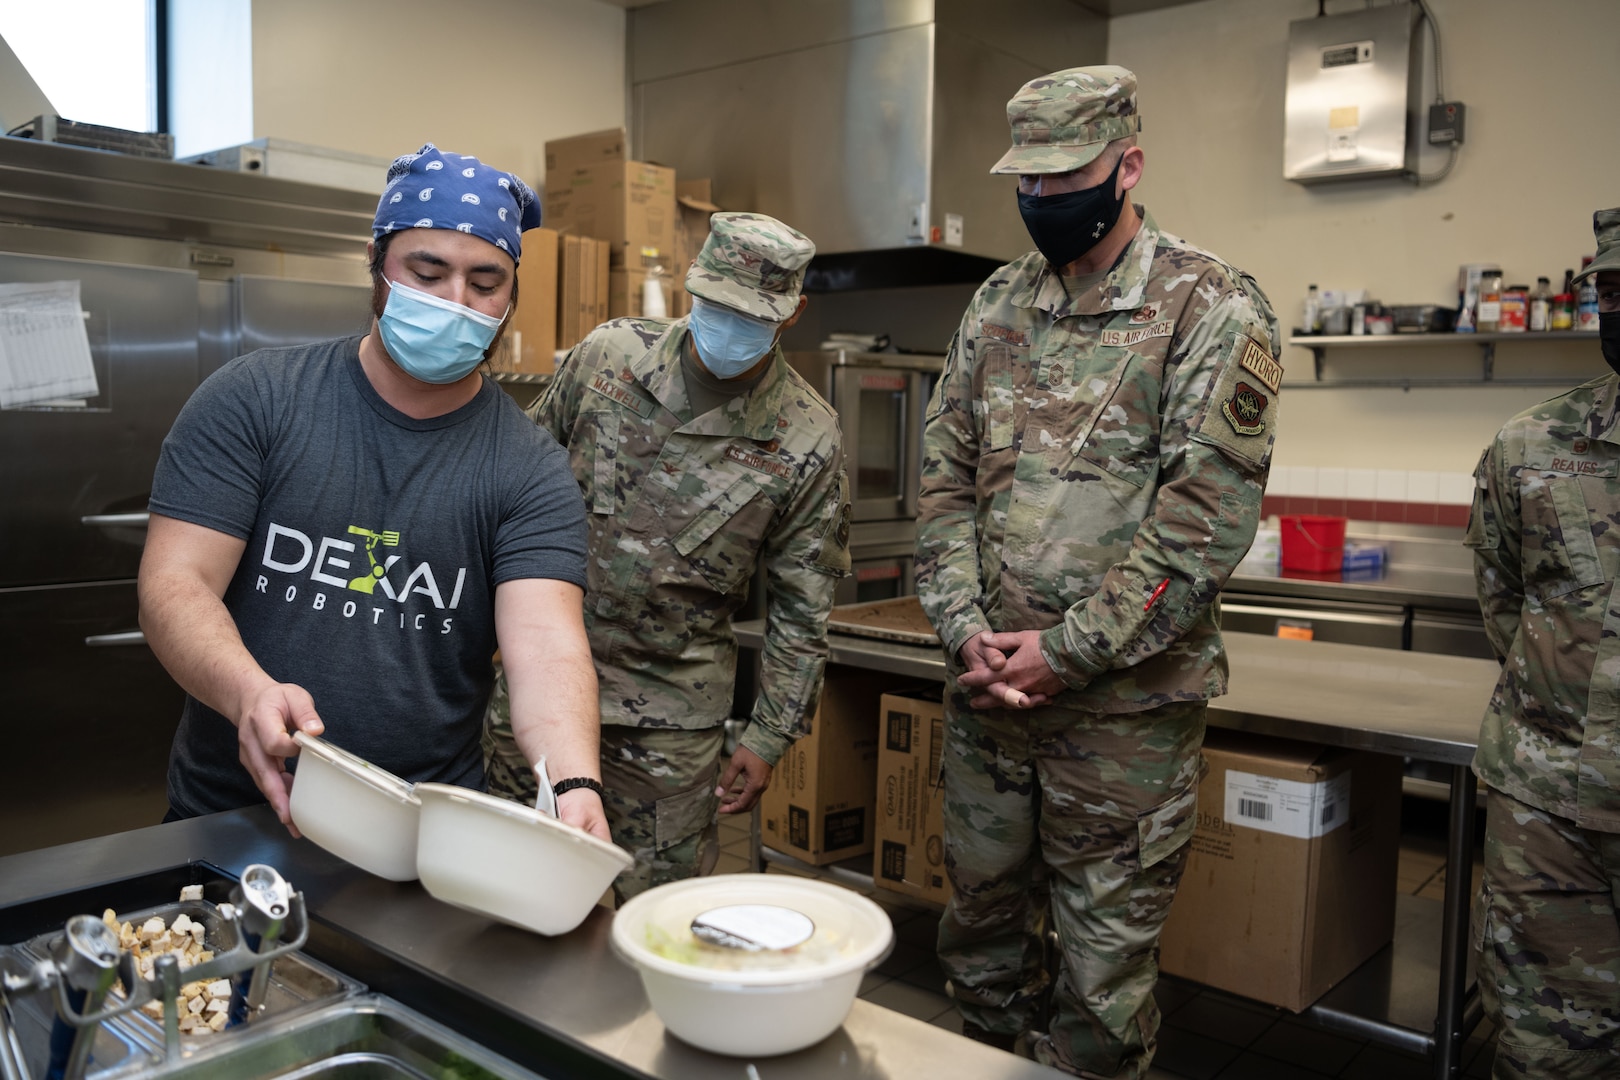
<point>191,929</point>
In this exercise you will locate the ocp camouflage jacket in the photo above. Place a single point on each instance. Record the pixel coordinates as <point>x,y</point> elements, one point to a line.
<point>1545,530</point>
<point>681,511</point>
<point>1094,464</point>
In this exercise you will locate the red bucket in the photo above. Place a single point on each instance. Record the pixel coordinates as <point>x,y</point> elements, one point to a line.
<point>1312,542</point>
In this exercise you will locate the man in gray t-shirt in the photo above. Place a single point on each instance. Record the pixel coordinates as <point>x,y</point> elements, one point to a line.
<point>342,533</point>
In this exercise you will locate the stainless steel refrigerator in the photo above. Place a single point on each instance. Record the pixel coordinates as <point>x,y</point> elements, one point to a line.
<point>179,269</point>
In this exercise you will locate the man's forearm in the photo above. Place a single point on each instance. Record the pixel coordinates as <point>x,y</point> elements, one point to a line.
<point>194,637</point>
<point>555,714</point>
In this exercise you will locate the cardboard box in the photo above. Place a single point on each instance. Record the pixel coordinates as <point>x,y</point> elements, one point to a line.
<point>819,807</point>
<point>694,205</point>
<point>909,853</point>
<point>532,333</point>
<point>1290,884</point>
<point>582,290</point>
<point>583,151</point>
<point>630,204</point>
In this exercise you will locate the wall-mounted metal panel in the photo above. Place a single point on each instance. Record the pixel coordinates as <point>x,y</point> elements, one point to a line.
<point>832,139</point>
<point>982,54</point>
<point>872,126</point>
<point>666,40</point>
<point>1353,89</point>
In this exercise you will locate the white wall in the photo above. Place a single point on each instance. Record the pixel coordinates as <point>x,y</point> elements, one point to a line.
<point>490,78</point>
<point>1541,154</point>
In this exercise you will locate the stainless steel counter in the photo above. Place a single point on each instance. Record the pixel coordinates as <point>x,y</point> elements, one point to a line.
<point>1428,587</point>
<point>1420,705</point>
<point>562,1006</point>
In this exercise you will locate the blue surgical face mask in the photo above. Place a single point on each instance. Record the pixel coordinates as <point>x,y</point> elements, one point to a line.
<point>728,342</point>
<point>432,339</point>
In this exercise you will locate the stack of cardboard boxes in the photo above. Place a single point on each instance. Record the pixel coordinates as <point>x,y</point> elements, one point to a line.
<point>594,190</point>
<point>612,225</point>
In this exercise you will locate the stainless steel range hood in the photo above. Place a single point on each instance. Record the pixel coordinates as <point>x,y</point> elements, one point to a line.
<point>871,125</point>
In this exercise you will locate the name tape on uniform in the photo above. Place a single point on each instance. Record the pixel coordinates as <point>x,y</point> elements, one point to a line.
<point>1163,328</point>
<point>758,462</point>
<point>631,400</point>
<point>1257,361</point>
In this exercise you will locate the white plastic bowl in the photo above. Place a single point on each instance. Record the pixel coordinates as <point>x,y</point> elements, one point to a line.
<point>357,811</point>
<point>511,862</point>
<point>753,1012</point>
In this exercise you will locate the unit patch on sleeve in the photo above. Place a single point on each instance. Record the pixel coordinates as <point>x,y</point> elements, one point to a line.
<point>1258,361</point>
<point>1245,410</point>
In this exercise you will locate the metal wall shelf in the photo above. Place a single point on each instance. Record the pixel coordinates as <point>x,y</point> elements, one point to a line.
<point>1486,343</point>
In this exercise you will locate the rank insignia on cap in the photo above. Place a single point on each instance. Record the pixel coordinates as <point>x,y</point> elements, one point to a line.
<point>1244,410</point>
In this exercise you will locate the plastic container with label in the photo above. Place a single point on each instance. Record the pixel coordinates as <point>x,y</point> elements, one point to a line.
<point>1515,310</point>
<point>1490,303</point>
<point>1541,306</point>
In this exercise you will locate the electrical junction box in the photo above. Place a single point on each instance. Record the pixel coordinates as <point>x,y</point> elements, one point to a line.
<point>1446,123</point>
<point>1354,84</point>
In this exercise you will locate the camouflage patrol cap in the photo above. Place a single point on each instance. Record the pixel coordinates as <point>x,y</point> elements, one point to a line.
<point>1062,121</point>
<point>1606,225</point>
<point>753,264</point>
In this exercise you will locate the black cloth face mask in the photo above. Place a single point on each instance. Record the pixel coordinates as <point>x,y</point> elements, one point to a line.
<point>1065,227</point>
<point>1609,337</point>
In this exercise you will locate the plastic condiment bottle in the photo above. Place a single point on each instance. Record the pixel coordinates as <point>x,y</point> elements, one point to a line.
<point>1490,304</point>
<point>1313,311</point>
<point>1541,306</point>
<point>1586,301</point>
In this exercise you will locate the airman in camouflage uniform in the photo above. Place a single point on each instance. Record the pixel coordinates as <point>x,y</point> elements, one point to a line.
<point>1545,530</point>
<point>1094,460</point>
<point>690,483</point>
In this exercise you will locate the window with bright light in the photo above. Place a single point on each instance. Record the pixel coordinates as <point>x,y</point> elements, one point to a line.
<point>94,59</point>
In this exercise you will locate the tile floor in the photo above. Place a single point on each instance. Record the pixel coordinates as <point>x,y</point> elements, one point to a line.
<point>1207,1034</point>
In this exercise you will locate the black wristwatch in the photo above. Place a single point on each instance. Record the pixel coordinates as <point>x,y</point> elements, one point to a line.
<point>578,782</point>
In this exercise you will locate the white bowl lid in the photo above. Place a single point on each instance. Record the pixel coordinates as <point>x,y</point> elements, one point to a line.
<point>835,913</point>
<point>518,812</point>
<point>357,767</point>
<point>753,927</point>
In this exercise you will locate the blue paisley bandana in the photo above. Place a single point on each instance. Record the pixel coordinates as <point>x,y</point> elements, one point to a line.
<point>433,189</point>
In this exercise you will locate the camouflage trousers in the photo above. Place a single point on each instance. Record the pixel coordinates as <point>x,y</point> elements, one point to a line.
<point>661,804</point>
<point>1546,918</point>
<point>660,799</point>
<point>1079,821</point>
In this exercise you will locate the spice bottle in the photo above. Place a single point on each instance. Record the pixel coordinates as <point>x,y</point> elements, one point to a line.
<point>1515,309</point>
<point>1490,303</point>
<point>1541,306</point>
<point>1563,311</point>
<point>1313,311</point>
